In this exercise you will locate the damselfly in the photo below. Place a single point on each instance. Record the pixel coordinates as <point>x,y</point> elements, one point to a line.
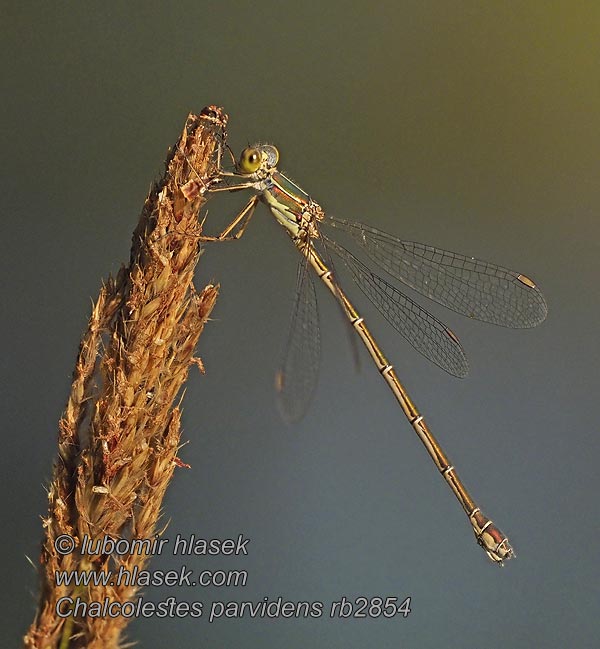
<point>474,288</point>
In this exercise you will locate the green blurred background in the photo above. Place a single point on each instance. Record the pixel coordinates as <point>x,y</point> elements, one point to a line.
<point>472,126</point>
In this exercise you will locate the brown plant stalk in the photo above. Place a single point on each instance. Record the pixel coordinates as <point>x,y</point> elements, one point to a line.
<point>120,432</point>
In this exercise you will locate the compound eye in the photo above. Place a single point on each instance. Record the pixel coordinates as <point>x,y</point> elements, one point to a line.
<point>250,160</point>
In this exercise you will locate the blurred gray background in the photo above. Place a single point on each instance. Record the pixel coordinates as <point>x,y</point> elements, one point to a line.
<point>471,126</point>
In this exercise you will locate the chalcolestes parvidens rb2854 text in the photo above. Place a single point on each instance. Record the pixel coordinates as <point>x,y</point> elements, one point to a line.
<point>475,288</point>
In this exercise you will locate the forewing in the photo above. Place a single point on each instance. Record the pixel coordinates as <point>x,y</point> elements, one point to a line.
<point>475,288</point>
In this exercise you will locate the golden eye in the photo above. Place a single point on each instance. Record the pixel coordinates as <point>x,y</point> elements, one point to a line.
<point>250,160</point>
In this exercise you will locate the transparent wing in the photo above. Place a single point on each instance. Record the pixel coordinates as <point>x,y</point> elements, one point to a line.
<point>475,288</point>
<point>296,379</point>
<point>351,334</point>
<point>422,330</point>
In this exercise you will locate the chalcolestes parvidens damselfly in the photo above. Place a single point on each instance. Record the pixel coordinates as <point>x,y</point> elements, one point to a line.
<point>469,286</point>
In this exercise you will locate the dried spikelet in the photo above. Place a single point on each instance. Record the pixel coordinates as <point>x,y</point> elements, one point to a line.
<point>120,431</point>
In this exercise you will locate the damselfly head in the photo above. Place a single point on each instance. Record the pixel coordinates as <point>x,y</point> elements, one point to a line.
<point>257,156</point>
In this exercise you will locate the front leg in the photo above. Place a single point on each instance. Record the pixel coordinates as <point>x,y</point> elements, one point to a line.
<point>237,227</point>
